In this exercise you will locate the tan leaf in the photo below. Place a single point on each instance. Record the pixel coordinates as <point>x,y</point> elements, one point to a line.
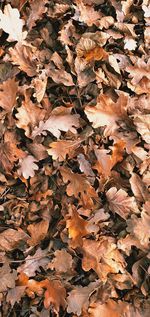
<point>28,116</point>
<point>33,262</point>
<point>140,227</point>
<point>55,295</point>
<point>38,232</point>
<point>102,256</point>
<point>86,13</point>
<point>10,239</point>
<point>11,23</point>
<point>62,148</point>
<point>78,184</point>
<point>60,76</point>
<point>39,84</point>
<point>139,70</point>
<point>106,112</point>
<point>121,203</point>
<point>62,262</point>
<point>8,90</point>
<point>7,277</point>
<point>77,227</point>
<point>85,166</point>
<point>110,308</point>
<point>60,120</point>
<point>37,9</point>
<point>142,123</point>
<point>138,188</point>
<point>24,57</point>
<point>27,166</point>
<point>14,295</point>
<point>78,298</point>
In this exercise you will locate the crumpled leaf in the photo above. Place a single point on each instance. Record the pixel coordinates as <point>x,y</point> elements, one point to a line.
<point>38,232</point>
<point>110,308</point>
<point>27,166</point>
<point>142,123</point>
<point>78,298</point>
<point>62,262</point>
<point>60,120</point>
<point>37,9</point>
<point>33,262</point>
<point>10,239</point>
<point>8,91</point>
<point>7,277</point>
<point>11,23</point>
<point>62,148</point>
<point>121,203</point>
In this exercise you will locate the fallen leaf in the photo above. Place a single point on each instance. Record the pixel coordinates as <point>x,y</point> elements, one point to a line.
<point>38,232</point>
<point>121,203</point>
<point>63,148</point>
<point>10,239</point>
<point>62,262</point>
<point>11,23</point>
<point>7,277</point>
<point>8,91</point>
<point>27,167</point>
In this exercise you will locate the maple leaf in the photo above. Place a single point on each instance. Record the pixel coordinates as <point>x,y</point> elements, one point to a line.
<point>62,262</point>
<point>8,91</point>
<point>10,239</point>
<point>7,277</point>
<point>60,120</point>
<point>121,203</point>
<point>27,166</point>
<point>11,23</point>
<point>38,232</point>
<point>78,298</point>
<point>106,112</point>
<point>62,148</point>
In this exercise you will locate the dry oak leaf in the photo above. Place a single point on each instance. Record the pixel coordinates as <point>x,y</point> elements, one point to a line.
<point>139,70</point>
<point>138,188</point>
<point>140,227</point>
<point>10,239</point>
<point>78,184</point>
<point>102,256</point>
<point>27,166</point>
<point>60,119</point>
<point>39,84</point>
<point>60,76</point>
<point>7,277</point>
<point>110,308</point>
<point>76,226</point>
<point>106,112</point>
<point>37,9</point>
<point>142,123</point>
<point>121,203</point>
<point>9,152</point>
<point>11,23</point>
<point>14,295</point>
<point>8,91</point>
<point>28,116</point>
<point>24,57</point>
<point>84,165</point>
<point>38,232</point>
<point>62,263</point>
<point>32,263</point>
<point>78,298</point>
<point>62,148</point>
<point>85,13</point>
<point>54,295</point>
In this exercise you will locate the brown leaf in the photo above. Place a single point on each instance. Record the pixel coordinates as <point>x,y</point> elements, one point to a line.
<point>8,91</point>
<point>78,298</point>
<point>55,295</point>
<point>60,120</point>
<point>37,9</point>
<point>142,123</point>
<point>138,188</point>
<point>121,203</point>
<point>110,308</point>
<point>38,232</point>
<point>62,148</point>
<point>27,167</point>
<point>7,277</point>
<point>10,239</point>
<point>24,57</point>
<point>62,262</point>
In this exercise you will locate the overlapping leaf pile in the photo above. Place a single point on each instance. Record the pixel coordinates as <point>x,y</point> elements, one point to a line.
<point>75,158</point>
